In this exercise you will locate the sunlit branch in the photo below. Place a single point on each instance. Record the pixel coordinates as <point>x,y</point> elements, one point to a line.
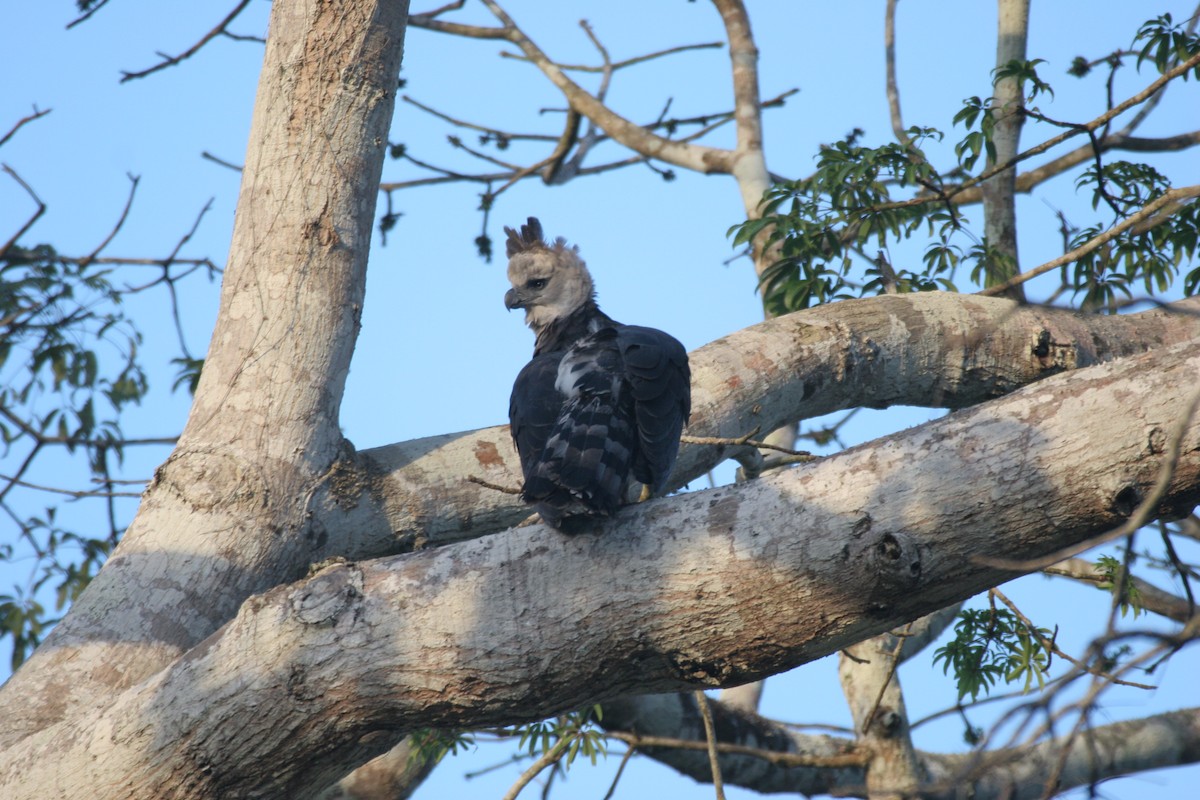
<point>1140,516</point>
<point>1146,214</point>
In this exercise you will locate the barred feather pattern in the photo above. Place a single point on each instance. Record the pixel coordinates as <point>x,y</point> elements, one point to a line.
<point>601,404</point>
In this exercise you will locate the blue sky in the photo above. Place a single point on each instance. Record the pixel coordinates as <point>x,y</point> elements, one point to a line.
<point>434,313</point>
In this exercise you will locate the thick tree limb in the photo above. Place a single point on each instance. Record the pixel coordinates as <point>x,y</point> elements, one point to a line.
<point>706,589</point>
<point>929,349</point>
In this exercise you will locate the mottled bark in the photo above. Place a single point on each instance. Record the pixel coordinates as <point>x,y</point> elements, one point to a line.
<point>231,511</point>
<point>712,588</point>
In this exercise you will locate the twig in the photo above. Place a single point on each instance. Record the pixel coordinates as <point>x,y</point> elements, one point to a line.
<point>494,486</point>
<point>746,441</point>
<point>21,122</point>
<point>76,493</point>
<point>782,759</point>
<point>612,788</point>
<point>41,209</point>
<point>548,758</point>
<point>496,132</point>
<point>90,258</point>
<point>170,61</point>
<point>629,62</point>
<point>895,662</point>
<point>1139,517</point>
<point>710,734</point>
<point>221,161</point>
<point>87,14</point>
<point>1054,648</point>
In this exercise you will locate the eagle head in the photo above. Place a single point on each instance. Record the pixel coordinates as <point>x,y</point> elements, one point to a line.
<point>549,281</point>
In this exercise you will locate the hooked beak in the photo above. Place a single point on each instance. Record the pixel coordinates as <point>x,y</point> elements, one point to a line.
<point>513,300</point>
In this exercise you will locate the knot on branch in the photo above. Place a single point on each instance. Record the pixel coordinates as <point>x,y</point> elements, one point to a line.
<point>893,563</point>
<point>702,671</point>
<point>325,597</point>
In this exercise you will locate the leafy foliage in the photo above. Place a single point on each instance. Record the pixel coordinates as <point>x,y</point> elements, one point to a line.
<point>992,645</point>
<point>1166,43</point>
<point>823,228</point>
<point>565,737</point>
<point>61,327</point>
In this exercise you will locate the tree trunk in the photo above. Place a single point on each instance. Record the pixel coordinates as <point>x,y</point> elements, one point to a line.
<point>231,511</point>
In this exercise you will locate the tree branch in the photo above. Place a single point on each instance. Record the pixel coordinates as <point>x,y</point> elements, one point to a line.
<point>434,639</point>
<point>22,122</point>
<point>1151,598</point>
<point>690,156</point>
<point>170,61</point>
<point>1147,214</point>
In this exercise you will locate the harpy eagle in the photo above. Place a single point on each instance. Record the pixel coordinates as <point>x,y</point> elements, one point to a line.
<point>601,404</point>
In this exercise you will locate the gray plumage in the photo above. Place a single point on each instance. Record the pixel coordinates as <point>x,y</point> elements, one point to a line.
<point>601,404</point>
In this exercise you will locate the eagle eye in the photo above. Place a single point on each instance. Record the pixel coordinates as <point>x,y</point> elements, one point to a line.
<point>536,283</point>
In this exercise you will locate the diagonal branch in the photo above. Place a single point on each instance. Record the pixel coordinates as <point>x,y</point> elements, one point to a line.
<point>170,61</point>
<point>696,157</point>
<point>1147,214</point>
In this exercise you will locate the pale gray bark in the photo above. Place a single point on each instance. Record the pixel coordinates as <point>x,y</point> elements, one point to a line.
<point>999,192</point>
<point>867,672</point>
<point>711,588</point>
<point>230,513</point>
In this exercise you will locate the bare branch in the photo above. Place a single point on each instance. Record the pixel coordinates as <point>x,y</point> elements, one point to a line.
<point>41,209</point>
<point>430,22</point>
<point>86,15</point>
<point>629,62</point>
<point>494,132</point>
<point>220,161</point>
<point>700,158</point>
<point>76,493</point>
<point>170,61</point>
<point>91,257</point>
<point>23,121</point>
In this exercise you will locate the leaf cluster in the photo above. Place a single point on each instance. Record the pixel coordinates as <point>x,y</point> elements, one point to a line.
<point>992,645</point>
<point>818,224</point>
<point>68,366</point>
<point>1115,579</point>
<point>821,229</point>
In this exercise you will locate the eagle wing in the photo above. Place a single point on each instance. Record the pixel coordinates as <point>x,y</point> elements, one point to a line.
<point>587,420</point>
